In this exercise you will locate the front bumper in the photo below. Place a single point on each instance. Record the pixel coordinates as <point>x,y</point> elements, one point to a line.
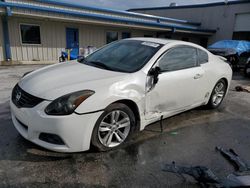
<point>74,130</point>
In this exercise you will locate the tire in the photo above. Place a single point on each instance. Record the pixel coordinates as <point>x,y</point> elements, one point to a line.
<point>247,70</point>
<point>61,59</point>
<point>106,134</point>
<point>217,95</point>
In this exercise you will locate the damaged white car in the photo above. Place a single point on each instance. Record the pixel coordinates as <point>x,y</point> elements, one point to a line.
<point>124,86</point>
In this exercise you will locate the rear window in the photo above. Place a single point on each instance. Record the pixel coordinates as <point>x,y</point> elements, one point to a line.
<point>202,56</point>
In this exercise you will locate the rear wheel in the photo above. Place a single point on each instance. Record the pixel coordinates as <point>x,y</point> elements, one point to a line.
<point>218,94</point>
<point>247,70</point>
<point>113,127</point>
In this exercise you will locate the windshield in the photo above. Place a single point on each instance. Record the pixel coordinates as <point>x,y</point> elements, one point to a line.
<point>123,56</point>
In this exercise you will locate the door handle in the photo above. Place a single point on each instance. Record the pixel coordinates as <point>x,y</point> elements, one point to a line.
<point>197,76</point>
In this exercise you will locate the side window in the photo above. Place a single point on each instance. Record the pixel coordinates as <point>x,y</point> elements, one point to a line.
<point>111,36</point>
<point>30,34</point>
<point>126,35</point>
<point>202,56</point>
<point>178,58</point>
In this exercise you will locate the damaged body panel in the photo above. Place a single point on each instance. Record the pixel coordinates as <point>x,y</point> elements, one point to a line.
<point>172,85</point>
<point>182,89</point>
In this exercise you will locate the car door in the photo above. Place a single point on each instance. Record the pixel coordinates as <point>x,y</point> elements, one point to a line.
<point>179,83</point>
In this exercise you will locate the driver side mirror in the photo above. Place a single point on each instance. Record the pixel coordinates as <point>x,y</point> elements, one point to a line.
<point>80,58</point>
<point>154,72</point>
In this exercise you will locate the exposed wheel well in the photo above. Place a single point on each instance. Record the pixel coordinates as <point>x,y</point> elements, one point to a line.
<point>133,106</point>
<point>225,81</point>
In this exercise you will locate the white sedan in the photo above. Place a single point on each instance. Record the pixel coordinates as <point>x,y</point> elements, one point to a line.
<point>124,86</point>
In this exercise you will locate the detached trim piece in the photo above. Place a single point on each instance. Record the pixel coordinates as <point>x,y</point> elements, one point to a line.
<point>89,112</point>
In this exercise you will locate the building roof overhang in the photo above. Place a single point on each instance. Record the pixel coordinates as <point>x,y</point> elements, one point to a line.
<point>114,17</point>
<point>223,3</point>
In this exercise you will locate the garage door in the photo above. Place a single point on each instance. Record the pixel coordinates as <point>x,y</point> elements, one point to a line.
<point>242,22</point>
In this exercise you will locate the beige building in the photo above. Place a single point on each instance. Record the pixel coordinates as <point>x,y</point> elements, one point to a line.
<point>230,19</point>
<point>36,31</point>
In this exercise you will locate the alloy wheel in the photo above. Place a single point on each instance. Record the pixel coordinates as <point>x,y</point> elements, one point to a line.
<point>219,92</point>
<point>114,128</point>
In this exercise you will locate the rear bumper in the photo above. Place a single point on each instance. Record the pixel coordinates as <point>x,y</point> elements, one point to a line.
<point>74,130</point>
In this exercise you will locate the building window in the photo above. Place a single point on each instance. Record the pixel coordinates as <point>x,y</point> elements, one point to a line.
<point>163,35</point>
<point>126,35</point>
<point>148,36</point>
<point>30,34</point>
<point>203,42</point>
<point>185,39</point>
<point>111,36</point>
<point>241,35</point>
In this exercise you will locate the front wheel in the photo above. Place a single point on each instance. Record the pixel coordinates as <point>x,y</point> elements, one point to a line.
<point>217,95</point>
<point>113,127</point>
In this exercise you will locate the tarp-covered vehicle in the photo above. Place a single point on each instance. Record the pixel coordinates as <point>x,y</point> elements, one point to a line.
<point>236,51</point>
<point>247,68</point>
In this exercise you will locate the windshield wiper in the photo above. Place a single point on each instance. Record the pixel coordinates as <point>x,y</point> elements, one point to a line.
<point>100,65</point>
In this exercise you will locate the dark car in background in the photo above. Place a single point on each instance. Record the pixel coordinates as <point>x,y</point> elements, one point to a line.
<point>236,52</point>
<point>247,68</point>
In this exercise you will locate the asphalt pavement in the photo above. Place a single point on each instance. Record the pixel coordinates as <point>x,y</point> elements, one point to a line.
<point>188,139</point>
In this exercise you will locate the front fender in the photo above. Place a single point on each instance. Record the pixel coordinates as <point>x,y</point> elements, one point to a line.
<point>132,88</point>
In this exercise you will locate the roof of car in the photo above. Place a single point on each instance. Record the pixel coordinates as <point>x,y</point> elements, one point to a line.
<point>167,41</point>
<point>156,40</point>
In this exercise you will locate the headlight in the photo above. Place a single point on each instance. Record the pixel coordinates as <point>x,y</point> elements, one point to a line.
<point>66,104</point>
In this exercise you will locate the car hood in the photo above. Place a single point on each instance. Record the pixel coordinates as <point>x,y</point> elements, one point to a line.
<point>57,80</point>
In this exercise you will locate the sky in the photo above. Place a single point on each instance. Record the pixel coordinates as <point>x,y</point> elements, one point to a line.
<point>127,4</point>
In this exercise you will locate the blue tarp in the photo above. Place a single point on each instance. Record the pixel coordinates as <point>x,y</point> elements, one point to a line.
<point>73,54</point>
<point>239,46</point>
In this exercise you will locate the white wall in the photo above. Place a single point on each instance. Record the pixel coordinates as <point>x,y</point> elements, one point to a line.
<point>1,41</point>
<point>96,35</point>
<point>53,38</point>
<point>220,18</point>
<point>52,35</point>
<point>242,22</point>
